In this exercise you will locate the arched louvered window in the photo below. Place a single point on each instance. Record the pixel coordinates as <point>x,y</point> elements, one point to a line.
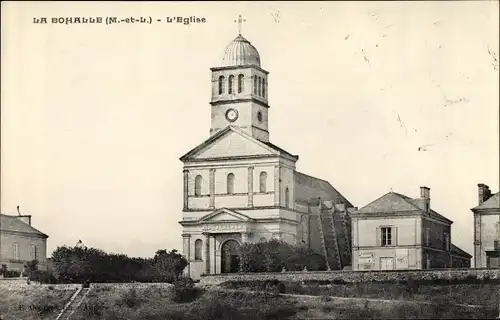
<point>221,84</point>
<point>230,84</point>
<point>287,198</point>
<point>264,87</point>
<point>259,83</point>
<point>197,249</point>
<point>197,185</point>
<point>230,183</point>
<point>263,182</point>
<point>240,83</point>
<point>255,85</point>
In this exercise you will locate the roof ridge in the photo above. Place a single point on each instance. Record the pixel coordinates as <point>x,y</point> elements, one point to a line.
<point>491,200</point>
<point>375,200</point>
<point>29,227</point>
<point>406,199</point>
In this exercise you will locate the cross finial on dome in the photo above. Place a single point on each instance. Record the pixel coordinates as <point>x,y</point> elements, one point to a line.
<point>240,21</point>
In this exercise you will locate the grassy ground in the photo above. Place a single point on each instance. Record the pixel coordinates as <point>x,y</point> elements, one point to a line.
<point>486,294</point>
<point>157,304</point>
<point>38,302</point>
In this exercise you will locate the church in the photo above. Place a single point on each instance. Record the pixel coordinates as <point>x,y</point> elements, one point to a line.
<point>240,187</point>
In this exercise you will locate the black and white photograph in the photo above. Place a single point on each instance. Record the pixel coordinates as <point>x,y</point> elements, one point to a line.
<point>266,160</point>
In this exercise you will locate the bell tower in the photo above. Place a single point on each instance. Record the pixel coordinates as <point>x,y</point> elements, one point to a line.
<point>240,91</point>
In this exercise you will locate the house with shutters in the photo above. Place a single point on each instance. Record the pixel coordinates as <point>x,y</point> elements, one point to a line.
<point>487,228</point>
<point>396,232</point>
<point>20,242</point>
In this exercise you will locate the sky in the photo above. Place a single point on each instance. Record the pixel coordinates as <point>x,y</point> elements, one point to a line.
<point>94,117</point>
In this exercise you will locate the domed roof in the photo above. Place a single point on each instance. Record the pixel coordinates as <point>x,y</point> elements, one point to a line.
<point>240,52</point>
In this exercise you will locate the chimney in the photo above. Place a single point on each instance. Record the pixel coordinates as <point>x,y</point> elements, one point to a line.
<point>26,218</point>
<point>425,195</point>
<point>484,192</point>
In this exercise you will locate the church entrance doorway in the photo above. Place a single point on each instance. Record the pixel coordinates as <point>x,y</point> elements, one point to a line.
<point>230,256</point>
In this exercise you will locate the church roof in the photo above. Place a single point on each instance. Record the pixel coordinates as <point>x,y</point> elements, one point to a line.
<point>492,203</point>
<point>14,224</point>
<point>308,187</point>
<point>275,147</point>
<point>393,202</point>
<point>459,252</point>
<point>240,52</point>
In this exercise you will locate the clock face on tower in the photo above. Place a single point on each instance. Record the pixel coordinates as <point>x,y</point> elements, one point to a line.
<point>231,115</point>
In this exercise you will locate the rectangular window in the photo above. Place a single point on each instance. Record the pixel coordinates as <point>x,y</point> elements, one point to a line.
<point>15,254</point>
<point>386,234</point>
<point>427,236</point>
<point>34,252</point>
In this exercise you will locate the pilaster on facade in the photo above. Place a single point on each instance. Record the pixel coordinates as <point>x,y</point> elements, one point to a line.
<point>206,253</point>
<point>186,188</point>
<point>250,186</point>
<point>277,186</point>
<point>212,255</point>
<point>186,245</point>
<point>212,188</point>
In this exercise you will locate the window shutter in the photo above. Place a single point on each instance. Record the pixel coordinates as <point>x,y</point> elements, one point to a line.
<point>395,236</point>
<point>378,234</point>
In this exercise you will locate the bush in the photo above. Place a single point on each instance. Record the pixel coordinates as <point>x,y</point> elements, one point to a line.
<point>12,274</point>
<point>77,264</point>
<point>130,299</point>
<point>43,276</point>
<point>273,255</point>
<point>183,290</point>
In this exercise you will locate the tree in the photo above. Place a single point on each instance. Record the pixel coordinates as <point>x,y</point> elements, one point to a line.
<point>77,264</point>
<point>169,265</point>
<point>31,269</point>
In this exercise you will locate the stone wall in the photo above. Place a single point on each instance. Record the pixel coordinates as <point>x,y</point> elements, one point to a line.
<point>356,276</point>
<point>136,285</point>
<point>20,283</point>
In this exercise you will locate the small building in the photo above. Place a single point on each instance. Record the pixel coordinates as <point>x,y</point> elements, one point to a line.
<point>487,229</point>
<point>396,232</point>
<point>460,258</point>
<point>20,242</point>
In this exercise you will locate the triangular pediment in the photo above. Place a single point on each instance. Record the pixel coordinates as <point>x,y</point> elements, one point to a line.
<point>225,214</point>
<point>230,143</point>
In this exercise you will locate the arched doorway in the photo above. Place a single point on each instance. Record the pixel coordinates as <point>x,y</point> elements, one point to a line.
<point>230,262</point>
